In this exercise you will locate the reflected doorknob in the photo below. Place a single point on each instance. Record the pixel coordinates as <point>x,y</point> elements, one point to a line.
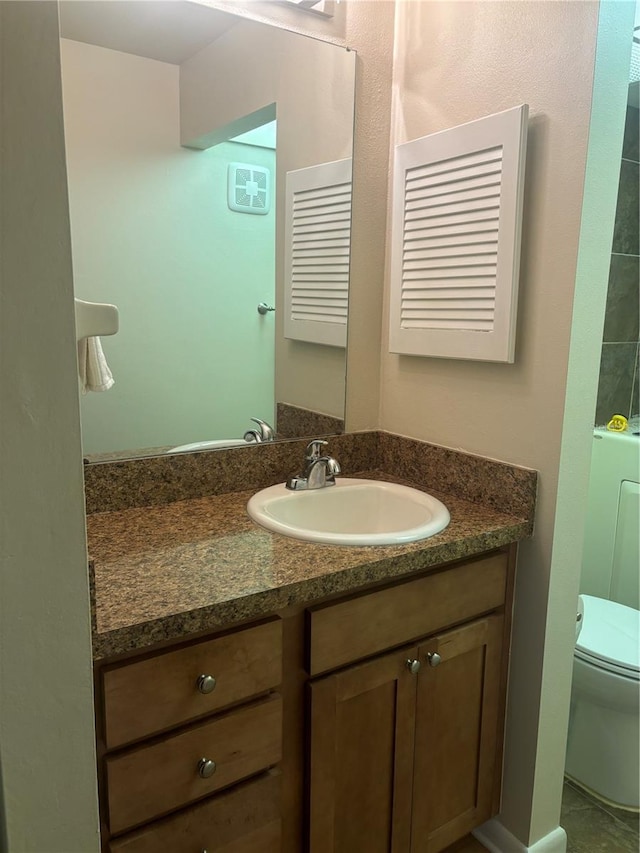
<point>263,308</point>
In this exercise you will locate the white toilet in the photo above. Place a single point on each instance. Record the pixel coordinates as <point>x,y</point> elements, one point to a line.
<point>604,744</point>
<point>603,750</point>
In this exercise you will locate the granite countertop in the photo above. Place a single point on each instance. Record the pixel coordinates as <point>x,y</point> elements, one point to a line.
<point>165,572</point>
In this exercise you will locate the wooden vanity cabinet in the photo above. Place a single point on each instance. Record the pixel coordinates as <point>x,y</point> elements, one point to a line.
<point>404,750</point>
<point>369,723</point>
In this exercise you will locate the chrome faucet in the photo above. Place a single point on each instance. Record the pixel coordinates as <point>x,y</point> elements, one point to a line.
<point>319,471</point>
<point>263,433</point>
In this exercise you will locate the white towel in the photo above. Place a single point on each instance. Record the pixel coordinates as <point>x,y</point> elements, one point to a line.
<point>93,369</point>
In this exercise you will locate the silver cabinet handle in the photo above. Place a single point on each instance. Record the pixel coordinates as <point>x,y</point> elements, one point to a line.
<point>206,768</point>
<point>433,658</point>
<point>205,683</point>
<point>413,666</point>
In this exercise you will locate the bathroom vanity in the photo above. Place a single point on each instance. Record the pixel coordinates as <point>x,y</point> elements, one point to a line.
<point>256,694</point>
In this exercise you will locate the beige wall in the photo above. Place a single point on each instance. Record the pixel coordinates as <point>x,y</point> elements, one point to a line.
<point>47,758</point>
<point>456,62</point>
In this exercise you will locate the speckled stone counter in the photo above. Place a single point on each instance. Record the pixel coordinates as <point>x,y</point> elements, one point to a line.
<point>166,572</point>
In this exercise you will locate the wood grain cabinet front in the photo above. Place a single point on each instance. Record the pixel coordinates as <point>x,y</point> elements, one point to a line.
<point>367,624</point>
<point>189,741</point>
<point>170,688</point>
<point>404,753</point>
<point>404,748</point>
<point>245,819</point>
<point>149,781</point>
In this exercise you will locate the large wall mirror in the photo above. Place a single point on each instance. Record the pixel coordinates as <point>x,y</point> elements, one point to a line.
<point>209,163</point>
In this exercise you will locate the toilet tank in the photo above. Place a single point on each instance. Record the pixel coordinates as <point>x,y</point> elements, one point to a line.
<point>610,563</point>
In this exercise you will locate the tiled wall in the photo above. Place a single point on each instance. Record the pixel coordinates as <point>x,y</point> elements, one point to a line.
<point>619,365</point>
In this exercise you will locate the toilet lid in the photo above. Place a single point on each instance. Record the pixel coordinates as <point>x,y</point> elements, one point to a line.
<point>610,636</point>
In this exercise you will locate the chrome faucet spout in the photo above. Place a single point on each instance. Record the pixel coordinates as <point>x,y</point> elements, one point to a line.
<point>264,432</point>
<point>319,471</point>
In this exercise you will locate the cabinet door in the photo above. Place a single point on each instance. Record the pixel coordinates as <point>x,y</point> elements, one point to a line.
<point>362,728</point>
<point>456,733</point>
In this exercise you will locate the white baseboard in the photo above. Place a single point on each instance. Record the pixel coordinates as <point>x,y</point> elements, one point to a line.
<point>498,839</point>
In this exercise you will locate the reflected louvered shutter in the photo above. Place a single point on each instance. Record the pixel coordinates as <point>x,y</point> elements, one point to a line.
<point>457,210</point>
<point>317,240</point>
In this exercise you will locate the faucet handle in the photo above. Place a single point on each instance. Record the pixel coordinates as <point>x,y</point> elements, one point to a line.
<point>314,448</point>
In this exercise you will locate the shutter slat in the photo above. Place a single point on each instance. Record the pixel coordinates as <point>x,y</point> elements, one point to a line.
<point>466,251</point>
<point>453,240</point>
<point>322,192</point>
<point>474,161</point>
<point>433,307</point>
<point>479,224</point>
<point>468,325</point>
<point>452,202</point>
<point>311,243</point>
<point>453,212</point>
<point>338,321</point>
<point>467,292</point>
<point>306,211</point>
<point>328,217</point>
<point>310,229</point>
<point>452,272</point>
<point>450,178</point>
<point>328,252</point>
<point>309,270</point>
<point>478,183</point>
<point>424,262</point>
<point>342,198</point>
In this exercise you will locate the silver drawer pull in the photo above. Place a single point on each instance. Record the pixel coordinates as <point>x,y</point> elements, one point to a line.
<point>206,768</point>
<point>413,666</point>
<point>433,658</point>
<point>205,683</point>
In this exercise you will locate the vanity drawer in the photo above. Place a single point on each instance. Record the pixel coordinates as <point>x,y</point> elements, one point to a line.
<point>367,624</point>
<point>150,781</point>
<point>245,819</point>
<point>155,694</point>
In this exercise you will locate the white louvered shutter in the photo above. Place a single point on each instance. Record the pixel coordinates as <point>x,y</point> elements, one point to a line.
<point>317,240</point>
<point>455,253</point>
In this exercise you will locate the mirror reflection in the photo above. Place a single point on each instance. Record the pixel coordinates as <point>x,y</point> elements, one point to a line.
<point>209,169</point>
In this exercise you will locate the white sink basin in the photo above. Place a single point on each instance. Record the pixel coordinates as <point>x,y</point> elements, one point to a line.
<point>352,512</point>
<point>209,445</point>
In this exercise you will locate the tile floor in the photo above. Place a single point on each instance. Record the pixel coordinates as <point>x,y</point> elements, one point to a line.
<point>594,827</point>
